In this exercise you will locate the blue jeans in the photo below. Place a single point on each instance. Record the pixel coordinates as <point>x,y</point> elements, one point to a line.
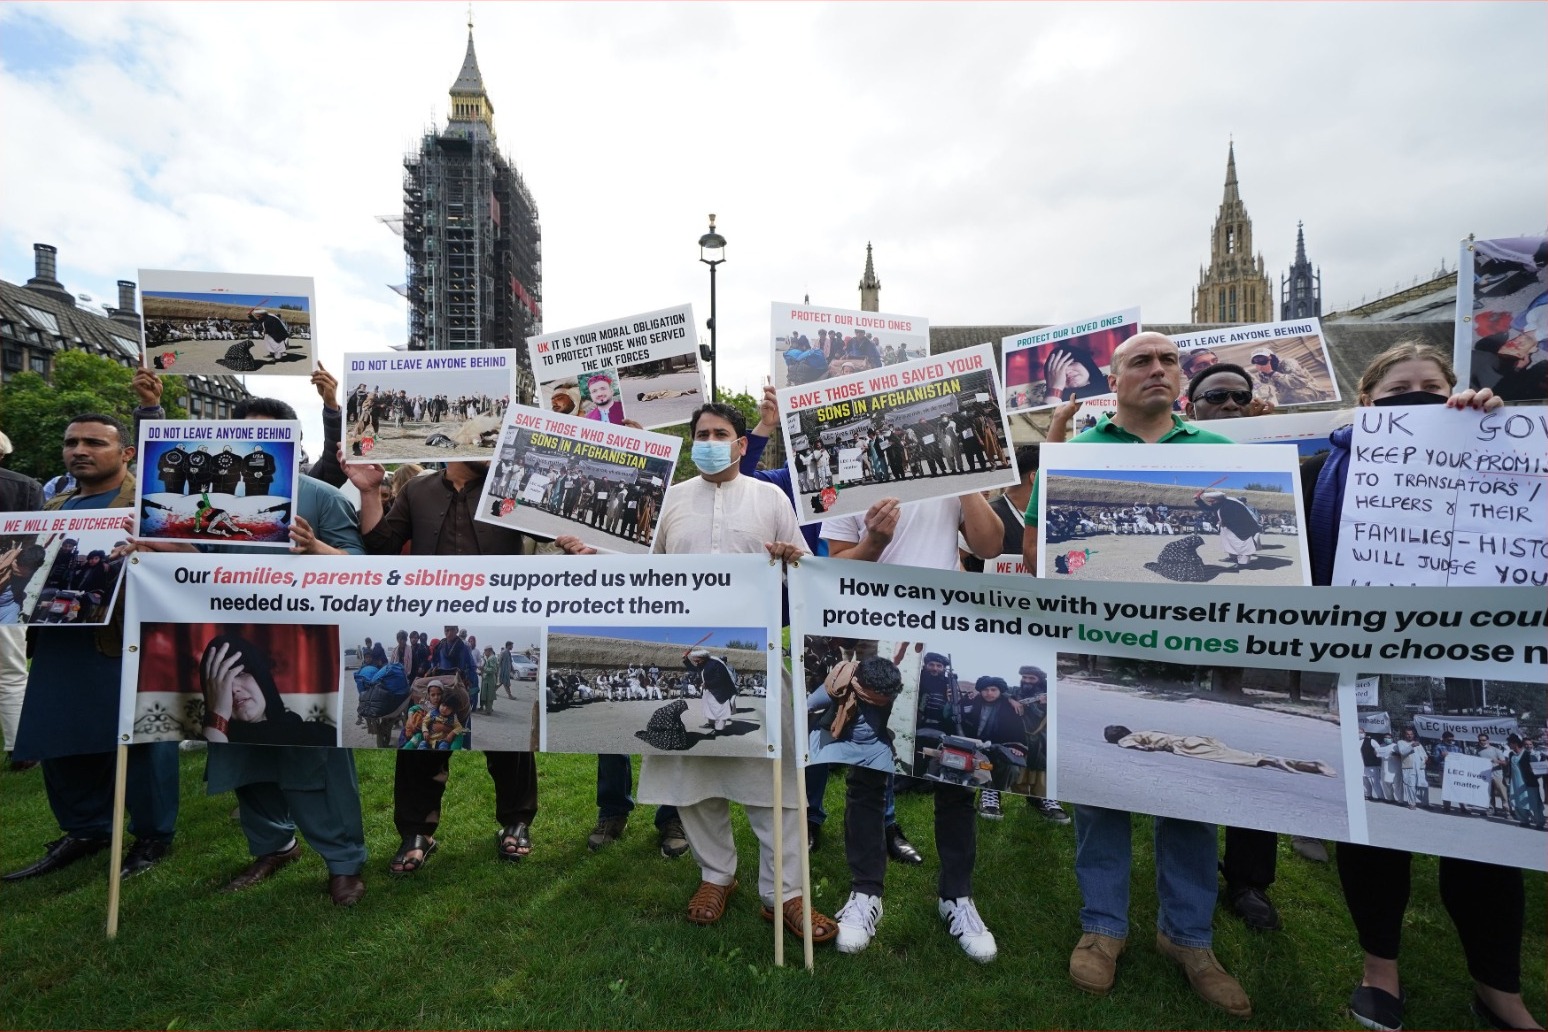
<point>1185,875</point>
<point>613,798</point>
<point>817,787</point>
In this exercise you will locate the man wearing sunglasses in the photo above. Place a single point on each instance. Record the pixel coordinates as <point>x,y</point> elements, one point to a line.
<point>1223,391</point>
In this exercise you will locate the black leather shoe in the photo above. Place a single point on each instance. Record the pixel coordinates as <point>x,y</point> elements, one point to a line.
<point>61,854</point>
<point>143,855</point>
<point>813,836</point>
<point>900,848</point>
<point>1254,908</point>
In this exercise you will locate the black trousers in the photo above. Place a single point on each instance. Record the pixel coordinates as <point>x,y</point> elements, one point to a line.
<point>419,781</point>
<point>1250,857</point>
<point>1486,902</point>
<point>865,843</point>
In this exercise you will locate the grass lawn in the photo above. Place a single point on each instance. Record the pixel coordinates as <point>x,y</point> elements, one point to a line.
<point>571,939</point>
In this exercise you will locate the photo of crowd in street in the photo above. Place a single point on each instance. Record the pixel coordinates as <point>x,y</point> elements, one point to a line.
<point>609,495</point>
<point>423,411</point>
<point>1062,363</point>
<point>1288,362</point>
<point>219,323</point>
<point>259,684</point>
<point>1248,747</point>
<point>645,690</point>
<point>447,687</point>
<point>69,576</point>
<point>1504,346</point>
<point>1179,525</point>
<point>812,344</point>
<point>943,435</point>
<point>1456,759</point>
<point>234,488</point>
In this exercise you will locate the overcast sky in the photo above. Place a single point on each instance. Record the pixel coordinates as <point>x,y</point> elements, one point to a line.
<point>1012,163</point>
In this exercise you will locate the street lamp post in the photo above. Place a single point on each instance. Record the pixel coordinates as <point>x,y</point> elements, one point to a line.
<point>712,251</point>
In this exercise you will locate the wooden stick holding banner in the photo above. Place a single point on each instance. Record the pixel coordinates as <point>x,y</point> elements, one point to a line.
<point>806,879</point>
<point>779,865</point>
<point>116,870</point>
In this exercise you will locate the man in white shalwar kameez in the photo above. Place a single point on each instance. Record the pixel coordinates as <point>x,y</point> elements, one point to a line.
<point>717,513</point>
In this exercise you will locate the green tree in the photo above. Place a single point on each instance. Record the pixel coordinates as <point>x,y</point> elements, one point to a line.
<point>36,412</point>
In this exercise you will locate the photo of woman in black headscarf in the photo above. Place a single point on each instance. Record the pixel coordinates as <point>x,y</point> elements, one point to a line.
<point>242,702</point>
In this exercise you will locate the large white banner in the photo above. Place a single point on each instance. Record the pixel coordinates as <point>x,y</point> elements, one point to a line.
<point>1439,496</point>
<point>605,653</point>
<point>641,367</point>
<point>1102,708</point>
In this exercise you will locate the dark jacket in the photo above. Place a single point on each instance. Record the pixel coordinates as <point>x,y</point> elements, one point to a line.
<point>419,512</point>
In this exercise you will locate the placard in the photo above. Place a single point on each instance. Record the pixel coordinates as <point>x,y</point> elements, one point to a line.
<point>555,475</point>
<point>1308,431</point>
<point>436,406</point>
<point>1439,496</point>
<point>1061,363</point>
<point>62,567</point>
<point>219,323</point>
<point>1171,513</point>
<point>642,367</point>
<point>290,649</point>
<point>231,483</point>
<point>1287,362</point>
<point>933,428</point>
<point>813,344</point>
<point>1501,338</point>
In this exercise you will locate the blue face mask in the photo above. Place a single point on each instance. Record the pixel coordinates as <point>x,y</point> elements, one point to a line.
<point>712,457</point>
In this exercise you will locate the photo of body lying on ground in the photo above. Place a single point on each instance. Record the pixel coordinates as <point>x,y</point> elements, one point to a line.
<point>644,690</point>
<point>1250,747</point>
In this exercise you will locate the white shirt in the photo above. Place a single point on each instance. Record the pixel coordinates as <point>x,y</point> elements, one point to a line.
<point>738,516</point>
<point>926,534</point>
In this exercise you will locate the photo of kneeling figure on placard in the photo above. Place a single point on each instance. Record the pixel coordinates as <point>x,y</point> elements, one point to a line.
<point>1457,761</point>
<point>1248,747</point>
<point>647,690</point>
<point>259,684</point>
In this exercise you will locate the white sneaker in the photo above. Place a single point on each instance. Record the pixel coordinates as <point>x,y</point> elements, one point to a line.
<point>857,922</point>
<point>962,920</point>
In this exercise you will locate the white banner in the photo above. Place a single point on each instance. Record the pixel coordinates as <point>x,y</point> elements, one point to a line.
<point>1241,740</point>
<point>1465,780</point>
<point>606,654</point>
<point>1365,691</point>
<point>1439,496</point>
<point>642,367</point>
<point>1469,728</point>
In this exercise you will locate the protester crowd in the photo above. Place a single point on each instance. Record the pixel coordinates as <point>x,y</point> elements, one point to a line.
<point>888,450</point>
<point>834,354</point>
<point>69,712</point>
<point>372,406</point>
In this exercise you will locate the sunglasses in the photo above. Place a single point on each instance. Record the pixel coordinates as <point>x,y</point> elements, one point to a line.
<point>1219,397</point>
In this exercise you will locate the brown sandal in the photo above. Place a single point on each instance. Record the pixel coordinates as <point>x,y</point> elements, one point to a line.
<point>708,903</point>
<point>823,927</point>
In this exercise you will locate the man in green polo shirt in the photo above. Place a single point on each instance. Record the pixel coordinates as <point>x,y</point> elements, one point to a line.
<point>1146,376</point>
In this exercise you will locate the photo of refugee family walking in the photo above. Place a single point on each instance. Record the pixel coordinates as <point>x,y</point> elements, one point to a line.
<point>423,690</point>
<point>647,690</point>
<point>1434,751</point>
